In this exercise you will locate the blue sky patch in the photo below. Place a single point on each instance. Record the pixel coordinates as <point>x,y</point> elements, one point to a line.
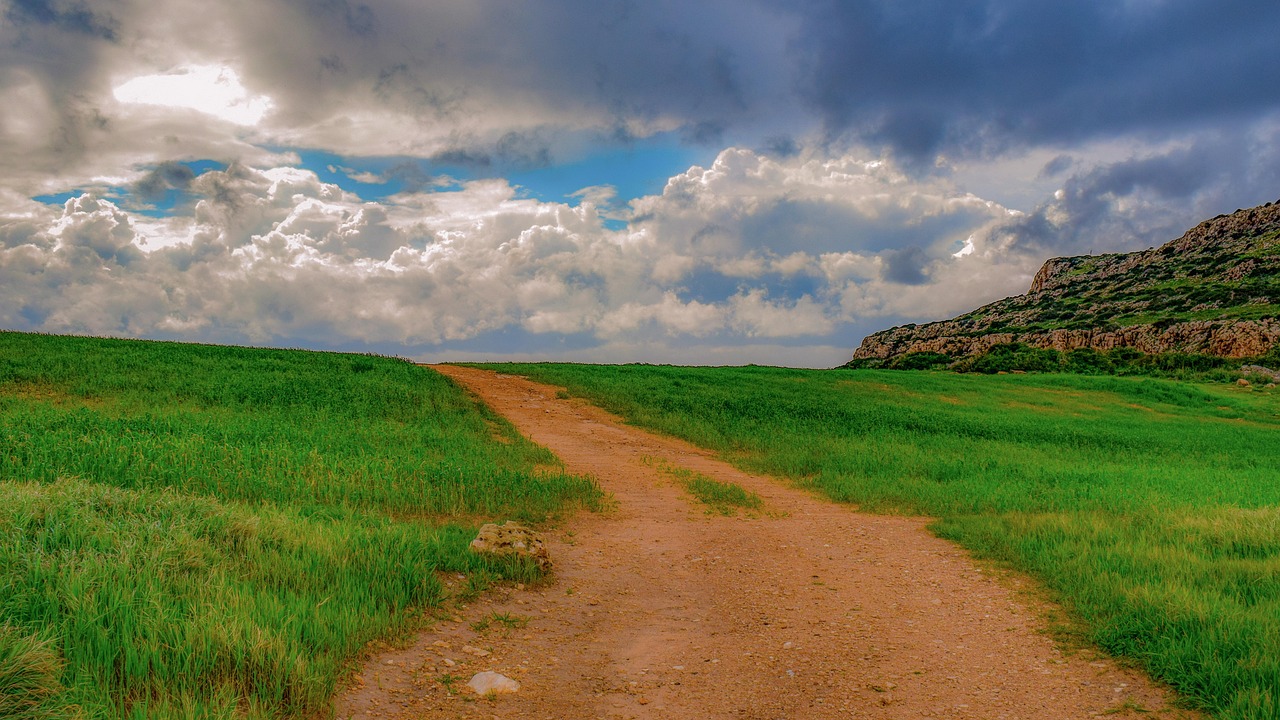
<point>639,169</point>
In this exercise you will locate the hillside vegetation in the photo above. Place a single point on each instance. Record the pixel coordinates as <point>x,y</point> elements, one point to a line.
<point>212,532</point>
<point>1150,508</point>
<point>1215,291</point>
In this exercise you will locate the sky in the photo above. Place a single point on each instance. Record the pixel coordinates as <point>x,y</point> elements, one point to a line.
<point>718,182</point>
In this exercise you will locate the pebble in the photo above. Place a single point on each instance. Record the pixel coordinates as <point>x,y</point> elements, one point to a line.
<point>488,682</point>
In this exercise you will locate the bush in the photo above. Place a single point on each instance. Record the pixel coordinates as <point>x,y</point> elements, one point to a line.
<point>1125,358</point>
<point>1174,362</point>
<point>1087,361</point>
<point>920,361</point>
<point>1008,357</point>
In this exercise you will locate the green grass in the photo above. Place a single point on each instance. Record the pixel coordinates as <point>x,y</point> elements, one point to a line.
<point>720,497</point>
<point>1149,507</point>
<point>210,532</point>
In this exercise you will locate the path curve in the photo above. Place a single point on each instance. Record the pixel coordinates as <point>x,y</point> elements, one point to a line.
<point>809,610</point>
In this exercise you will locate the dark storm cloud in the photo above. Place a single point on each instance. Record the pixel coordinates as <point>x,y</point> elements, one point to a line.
<point>73,16</point>
<point>1057,166</point>
<point>966,78</point>
<point>613,67</point>
<point>411,174</point>
<point>162,178</point>
<point>906,266</point>
<point>1150,199</point>
<point>817,225</point>
<point>356,18</point>
<point>781,146</point>
<point>511,151</point>
<point>522,150</point>
<point>52,78</point>
<point>981,76</point>
<point>705,132</point>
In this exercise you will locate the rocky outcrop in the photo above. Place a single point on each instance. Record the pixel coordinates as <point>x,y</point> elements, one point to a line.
<point>1236,339</point>
<point>1272,375</point>
<point>1215,291</point>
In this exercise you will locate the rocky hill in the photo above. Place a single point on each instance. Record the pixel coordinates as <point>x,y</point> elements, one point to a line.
<point>1214,291</point>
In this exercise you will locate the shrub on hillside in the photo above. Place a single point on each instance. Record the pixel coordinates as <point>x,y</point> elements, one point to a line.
<point>1087,361</point>
<point>1175,362</point>
<point>920,361</point>
<point>1125,359</point>
<point>1008,357</point>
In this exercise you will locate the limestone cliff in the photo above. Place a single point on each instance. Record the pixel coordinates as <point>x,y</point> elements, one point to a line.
<point>1215,290</point>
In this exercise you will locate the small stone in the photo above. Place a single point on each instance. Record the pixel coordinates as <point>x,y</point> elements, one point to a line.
<point>492,683</point>
<point>449,662</point>
<point>475,651</point>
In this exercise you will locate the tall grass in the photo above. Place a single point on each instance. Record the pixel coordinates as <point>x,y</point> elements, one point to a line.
<point>206,532</point>
<point>1148,506</point>
<point>719,497</point>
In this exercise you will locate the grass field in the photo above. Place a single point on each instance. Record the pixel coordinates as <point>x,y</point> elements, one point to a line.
<point>1150,508</point>
<point>212,532</point>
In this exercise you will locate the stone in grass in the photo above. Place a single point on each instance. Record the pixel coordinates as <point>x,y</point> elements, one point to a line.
<point>492,683</point>
<point>512,539</point>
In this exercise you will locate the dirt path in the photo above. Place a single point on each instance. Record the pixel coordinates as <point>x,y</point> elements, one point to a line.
<point>809,610</point>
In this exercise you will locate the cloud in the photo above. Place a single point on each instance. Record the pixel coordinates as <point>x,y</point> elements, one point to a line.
<point>912,161</point>
<point>976,77</point>
<point>484,81</point>
<point>76,17</point>
<point>210,89</point>
<point>487,84</point>
<point>277,256</point>
<point>906,266</point>
<point>162,178</point>
<point>1150,198</point>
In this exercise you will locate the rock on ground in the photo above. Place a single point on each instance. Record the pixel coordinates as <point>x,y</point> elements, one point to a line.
<point>488,682</point>
<point>512,539</point>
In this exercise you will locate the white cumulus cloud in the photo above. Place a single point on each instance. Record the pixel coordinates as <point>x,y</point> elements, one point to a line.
<point>721,257</point>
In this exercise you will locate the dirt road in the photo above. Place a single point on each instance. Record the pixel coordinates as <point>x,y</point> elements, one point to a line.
<point>807,610</point>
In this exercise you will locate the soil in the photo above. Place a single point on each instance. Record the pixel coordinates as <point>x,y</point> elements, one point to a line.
<point>805,609</point>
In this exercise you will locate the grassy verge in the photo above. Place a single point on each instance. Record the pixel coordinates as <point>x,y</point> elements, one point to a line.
<point>1148,506</point>
<point>720,498</point>
<point>208,532</point>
